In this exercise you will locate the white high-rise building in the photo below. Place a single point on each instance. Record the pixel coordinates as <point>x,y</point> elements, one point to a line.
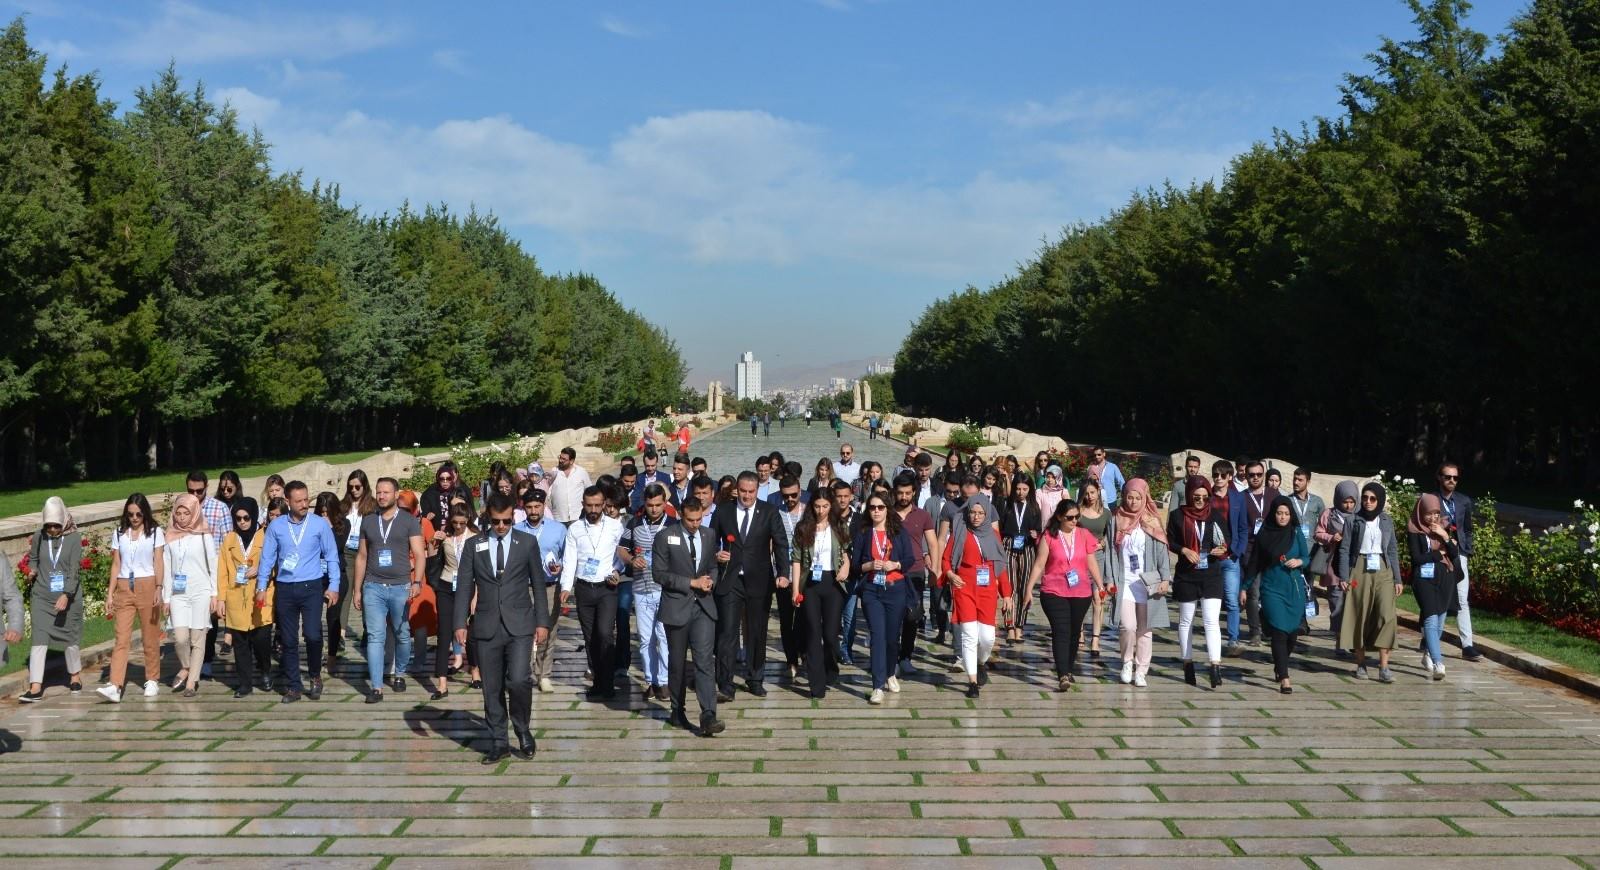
<point>747,377</point>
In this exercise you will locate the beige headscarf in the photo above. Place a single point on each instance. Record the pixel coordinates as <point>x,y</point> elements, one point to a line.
<point>196,524</point>
<point>55,512</point>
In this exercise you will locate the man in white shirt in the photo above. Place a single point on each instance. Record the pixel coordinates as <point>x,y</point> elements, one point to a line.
<point>766,486</point>
<point>566,490</point>
<point>847,468</point>
<point>588,573</point>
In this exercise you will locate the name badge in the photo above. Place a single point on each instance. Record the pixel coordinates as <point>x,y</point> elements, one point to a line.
<point>591,568</point>
<point>983,575</point>
<point>1073,580</point>
<point>1019,542</point>
<point>674,540</point>
<point>291,561</point>
<point>58,582</point>
<point>816,572</point>
<point>385,558</point>
<point>1133,562</point>
<point>354,541</point>
<point>1305,533</point>
<point>1256,529</point>
<point>882,579</point>
<point>1204,563</point>
<point>238,575</point>
<point>1372,561</point>
<point>483,546</point>
<point>1426,570</point>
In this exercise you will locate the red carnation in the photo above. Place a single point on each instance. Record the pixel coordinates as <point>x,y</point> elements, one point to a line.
<point>730,539</point>
<point>86,563</point>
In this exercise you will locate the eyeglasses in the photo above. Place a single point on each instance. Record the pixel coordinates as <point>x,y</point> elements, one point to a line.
<point>496,521</point>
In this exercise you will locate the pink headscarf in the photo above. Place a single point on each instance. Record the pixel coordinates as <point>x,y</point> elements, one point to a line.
<point>1149,518</point>
<point>196,524</point>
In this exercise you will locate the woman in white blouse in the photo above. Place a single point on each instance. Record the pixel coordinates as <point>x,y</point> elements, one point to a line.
<point>189,589</point>
<point>1141,570</point>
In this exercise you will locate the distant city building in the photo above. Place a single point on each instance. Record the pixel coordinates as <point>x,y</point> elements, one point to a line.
<point>878,368</point>
<point>837,384</point>
<point>747,377</point>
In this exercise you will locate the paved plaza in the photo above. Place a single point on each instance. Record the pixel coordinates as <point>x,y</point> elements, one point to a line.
<point>1486,768</point>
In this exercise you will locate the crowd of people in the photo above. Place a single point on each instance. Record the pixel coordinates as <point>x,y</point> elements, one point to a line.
<point>948,556</point>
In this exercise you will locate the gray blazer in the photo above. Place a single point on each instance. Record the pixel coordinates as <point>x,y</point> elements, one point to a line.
<point>510,603</point>
<point>1350,546</point>
<point>1159,571</point>
<point>672,568</point>
<point>10,604</point>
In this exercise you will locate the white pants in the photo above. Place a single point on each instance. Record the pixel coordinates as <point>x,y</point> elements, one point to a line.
<point>36,657</point>
<point>977,639</point>
<point>1136,633</point>
<point>1464,614</point>
<point>192,610</point>
<point>1211,613</point>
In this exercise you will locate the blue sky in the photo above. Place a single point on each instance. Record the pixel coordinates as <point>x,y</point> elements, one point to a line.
<point>798,178</point>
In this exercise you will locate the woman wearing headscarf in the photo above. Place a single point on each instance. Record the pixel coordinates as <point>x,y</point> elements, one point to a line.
<point>55,553</point>
<point>249,626</point>
<point>189,589</point>
<point>1019,530</point>
<point>1434,557</point>
<point>1140,568</point>
<point>1368,559</point>
<point>1203,543</point>
<point>1328,534</point>
<point>1279,556</point>
<point>1050,492</point>
<point>975,570</point>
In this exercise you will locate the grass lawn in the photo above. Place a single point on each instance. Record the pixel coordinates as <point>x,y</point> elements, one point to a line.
<point>94,631</point>
<point>26,501</point>
<point>1535,637</point>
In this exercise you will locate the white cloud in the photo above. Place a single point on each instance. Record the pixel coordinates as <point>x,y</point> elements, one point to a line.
<point>1078,107</point>
<point>253,109</point>
<point>192,34</point>
<point>615,25</point>
<point>451,60</point>
<point>57,50</point>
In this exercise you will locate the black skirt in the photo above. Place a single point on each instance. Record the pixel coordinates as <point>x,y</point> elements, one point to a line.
<point>1195,585</point>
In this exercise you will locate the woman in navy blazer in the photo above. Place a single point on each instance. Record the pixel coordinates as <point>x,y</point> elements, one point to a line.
<point>882,550</point>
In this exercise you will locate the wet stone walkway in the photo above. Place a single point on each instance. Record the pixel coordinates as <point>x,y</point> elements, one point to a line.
<point>1485,769</point>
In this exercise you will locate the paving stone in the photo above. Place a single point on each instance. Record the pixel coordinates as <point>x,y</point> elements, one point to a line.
<point>894,844</point>
<point>1099,847</point>
<point>143,827</point>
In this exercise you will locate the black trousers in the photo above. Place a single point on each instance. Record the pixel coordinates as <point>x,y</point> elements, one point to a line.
<point>1252,604</point>
<point>334,637</point>
<point>504,660</point>
<point>1066,624</point>
<point>791,627</point>
<point>755,606</point>
<point>700,635</point>
<point>597,618</point>
<point>252,650</point>
<point>298,606</point>
<point>822,608</point>
<point>445,634</point>
<point>1282,645</point>
<point>914,615</point>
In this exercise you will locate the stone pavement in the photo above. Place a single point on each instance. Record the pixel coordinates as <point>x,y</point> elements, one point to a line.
<point>1488,768</point>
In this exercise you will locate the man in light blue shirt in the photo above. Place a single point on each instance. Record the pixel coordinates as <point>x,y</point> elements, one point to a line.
<point>552,540</point>
<point>301,547</point>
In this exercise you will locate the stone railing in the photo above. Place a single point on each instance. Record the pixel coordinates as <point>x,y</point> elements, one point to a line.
<point>102,516</point>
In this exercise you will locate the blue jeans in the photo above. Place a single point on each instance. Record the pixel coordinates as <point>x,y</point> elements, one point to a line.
<point>886,610</point>
<point>380,601</point>
<point>1432,628</point>
<point>1230,596</point>
<point>847,631</point>
<point>652,636</point>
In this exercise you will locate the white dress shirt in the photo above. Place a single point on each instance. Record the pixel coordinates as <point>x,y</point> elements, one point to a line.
<point>591,551</point>
<point>566,493</point>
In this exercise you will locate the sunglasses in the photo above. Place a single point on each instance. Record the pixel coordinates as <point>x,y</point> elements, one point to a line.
<point>1449,477</point>
<point>791,496</point>
<point>499,522</point>
<point>1369,498</point>
<point>1255,474</point>
<point>198,492</point>
<point>877,507</point>
<point>1071,518</point>
<point>133,515</point>
<point>242,518</point>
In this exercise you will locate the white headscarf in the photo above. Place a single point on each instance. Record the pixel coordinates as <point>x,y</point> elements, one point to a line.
<point>55,513</point>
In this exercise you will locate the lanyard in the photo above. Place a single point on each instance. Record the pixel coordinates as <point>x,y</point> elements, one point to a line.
<point>1302,506</point>
<point>880,545</point>
<point>459,542</point>
<point>383,531</point>
<point>1069,545</point>
<point>55,547</point>
<point>1449,505</point>
<point>1200,536</point>
<point>1021,509</point>
<point>1260,503</point>
<point>588,538</point>
<point>303,524</point>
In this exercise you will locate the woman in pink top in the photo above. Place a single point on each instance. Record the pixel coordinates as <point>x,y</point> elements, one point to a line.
<point>1071,579</point>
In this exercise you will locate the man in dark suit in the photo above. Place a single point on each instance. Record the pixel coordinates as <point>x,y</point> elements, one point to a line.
<point>682,563</point>
<point>503,567</point>
<point>751,542</point>
<point>1456,509</point>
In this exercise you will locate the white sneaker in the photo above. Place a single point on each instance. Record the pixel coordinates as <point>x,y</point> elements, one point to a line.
<point>151,688</point>
<point>907,667</point>
<point>894,685</point>
<point>876,697</point>
<point>1127,672</point>
<point>588,675</point>
<point>1438,671</point>
<point>1139,681</point>
<point>1427,663</point>
<point>546,686</point>
<point>110,693</point>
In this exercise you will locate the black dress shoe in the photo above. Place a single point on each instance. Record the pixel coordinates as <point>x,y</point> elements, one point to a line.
<point>315,692</point>
<point>496,755</point>
<point>680,720</point>
<point>972,690</point>
<point>398,683</point>
<point>374,697</point>
<point>757,689</point>
<point>266,683</point>
<point>242,692</point>
<point>526,747</point>
<point>290,696</point>
<point>439,696</point>
<point>475,684</point>
<point>710,726</point>
<point>724,696</point>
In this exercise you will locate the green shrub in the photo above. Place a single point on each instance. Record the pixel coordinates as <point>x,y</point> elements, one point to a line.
<point>473,462</point>
<point>967,438</point>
